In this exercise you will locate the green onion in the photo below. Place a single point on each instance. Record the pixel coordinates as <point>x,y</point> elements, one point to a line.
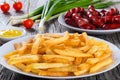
<point>34,13</point>
<point>44,13</point>
<point>80,3</point>
<point>19,21</point>
<point>55,7</point>
<point>104,4</point>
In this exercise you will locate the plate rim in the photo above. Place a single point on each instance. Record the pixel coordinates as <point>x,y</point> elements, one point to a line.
<point>49,77</point>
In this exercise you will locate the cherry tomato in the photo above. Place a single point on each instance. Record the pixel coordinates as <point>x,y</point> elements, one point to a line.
<point>28,23</point>
<point>17,6</point>
<point>5,7</point>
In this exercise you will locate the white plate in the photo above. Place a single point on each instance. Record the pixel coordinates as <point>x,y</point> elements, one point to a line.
<point>62,21</point>
<point>8,47</point>
<point>5,27</point>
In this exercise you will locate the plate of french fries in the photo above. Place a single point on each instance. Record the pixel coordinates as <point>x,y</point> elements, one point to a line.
<point>59,55</point>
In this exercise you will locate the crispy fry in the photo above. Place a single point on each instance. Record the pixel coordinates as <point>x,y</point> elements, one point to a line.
<point>26,48</point>
<point>17,46</point>
<point>83,37</point>
<point>66,69</point>
<point>78,60</point>
<point>73,42</point>
<point>56,41</point>
<point>71,53</point>
<point>36,71</point>
<point>93,50</point>
<point>49,51</point>
<point>47,65</point>
<point>99,53</point>
<point>60,46</point>
<point>20,66</point>
<point>92,60</point>
<point>13,56</point>
<point>84,48</point>
<point>58,60</point>
<point>81,72</point>
<point>42,50</point>
<point>47,57</point>
<point>7,56</point>
<point>104,56</point>
<point>53,73</point>
<point>91,42</point>
<point>83,68</point>
<point>23,59</point>
<point>22,50</point>
<point>101,65</point>
<point>36,44</point>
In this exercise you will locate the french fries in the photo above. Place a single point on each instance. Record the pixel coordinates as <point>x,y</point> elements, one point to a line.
<point>17,46</point>
<point>36,44</point>
<point>47,57</point>
<point>53,73</point>
<point>66,69</point>
<point>100,65</point>
<point>70,53</point>
<point>57,55</point>
<point>23,59</point>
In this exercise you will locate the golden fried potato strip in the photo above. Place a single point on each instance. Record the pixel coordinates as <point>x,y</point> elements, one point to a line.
<point>36,44</point>
<point>71,53</point>
<point>23,59</point>
<point>101,65</point>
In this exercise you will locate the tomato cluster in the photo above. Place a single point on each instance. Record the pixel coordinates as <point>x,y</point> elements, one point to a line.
<point>5,6</point>
<point>27,23</point>
<point>93,19</point>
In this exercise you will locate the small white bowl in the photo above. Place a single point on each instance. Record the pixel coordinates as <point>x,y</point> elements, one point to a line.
<point>6,27</point>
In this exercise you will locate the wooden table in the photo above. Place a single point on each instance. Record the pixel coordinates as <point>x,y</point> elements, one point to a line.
<point>53,26</point>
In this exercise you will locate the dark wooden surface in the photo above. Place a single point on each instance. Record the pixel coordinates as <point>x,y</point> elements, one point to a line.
<point>53,26</point>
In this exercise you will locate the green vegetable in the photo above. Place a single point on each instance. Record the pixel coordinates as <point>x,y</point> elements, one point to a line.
<point>55,7</point>
<point>34,13</point>
<point>80,3</point>
<point>104,4</point>
<point>19,21</point>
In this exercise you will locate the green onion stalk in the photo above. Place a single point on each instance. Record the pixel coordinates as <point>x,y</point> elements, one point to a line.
<point>48,11</point>
<point>34,13</point>
<point>19,21</point>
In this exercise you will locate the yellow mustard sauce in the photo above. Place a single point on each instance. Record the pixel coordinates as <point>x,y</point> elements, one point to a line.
<point>10,33</point>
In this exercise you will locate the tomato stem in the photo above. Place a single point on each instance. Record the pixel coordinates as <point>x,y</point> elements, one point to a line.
<point>28,7</point>
<point>4,1</point>
<point>14,1</point>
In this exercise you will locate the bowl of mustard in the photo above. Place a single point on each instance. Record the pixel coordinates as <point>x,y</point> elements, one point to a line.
<point>8,33</point>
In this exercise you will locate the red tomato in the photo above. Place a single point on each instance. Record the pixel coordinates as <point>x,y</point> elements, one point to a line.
<point>17,6</point>
<point>28,23</point>
<point>5,7</point>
